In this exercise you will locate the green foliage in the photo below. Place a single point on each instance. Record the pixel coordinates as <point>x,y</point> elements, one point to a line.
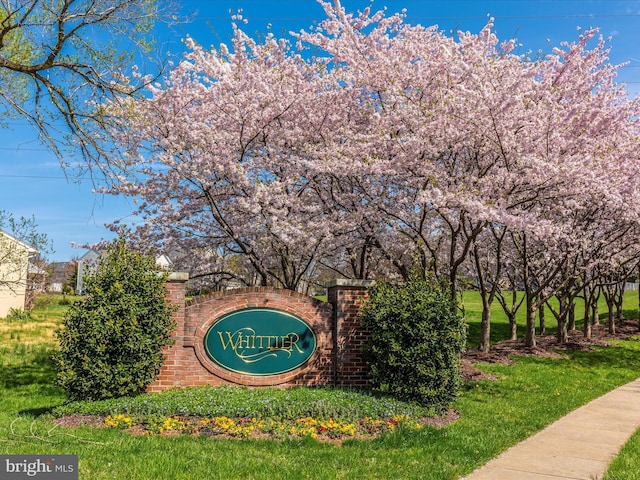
<point>17,314</point>
<point>417,338</point>
<point>263,403</point>
<point>15,49</point>
<point>111,342</point>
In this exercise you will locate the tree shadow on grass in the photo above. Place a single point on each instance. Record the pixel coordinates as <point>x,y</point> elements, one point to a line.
<point>610,356</point>
<point>37,370</point>
<point>631,314</point>
<point>499,332</point>
<point>26,382</point>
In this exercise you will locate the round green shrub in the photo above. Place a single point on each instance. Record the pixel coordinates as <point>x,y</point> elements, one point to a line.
<point>418,336</point>
<point>111,341</point>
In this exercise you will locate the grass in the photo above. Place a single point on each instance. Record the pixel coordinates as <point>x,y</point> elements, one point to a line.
<point>500,325</point>
<point>245,402</point>
<point>494,415</point>
<point>625,465</point>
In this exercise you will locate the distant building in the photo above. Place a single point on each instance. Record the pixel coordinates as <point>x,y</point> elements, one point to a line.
<point>87,263</point>
<point>37,276</point>
<point>36,283</point>
<point>60,276</point>
<point>57,277</point>
<point>14,269</point>
<point>164,262</point>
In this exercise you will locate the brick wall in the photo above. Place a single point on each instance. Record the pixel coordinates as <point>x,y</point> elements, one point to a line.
<point>347,296</point>
<point>337,360</point>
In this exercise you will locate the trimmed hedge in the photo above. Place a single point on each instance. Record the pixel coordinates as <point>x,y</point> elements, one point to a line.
<point>418,336</point>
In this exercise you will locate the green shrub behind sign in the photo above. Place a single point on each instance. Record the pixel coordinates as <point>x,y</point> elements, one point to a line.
<point>417,338</point>
<point>111,341</point>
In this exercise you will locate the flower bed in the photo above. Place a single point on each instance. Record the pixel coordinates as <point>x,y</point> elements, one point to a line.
<point>327,429</point>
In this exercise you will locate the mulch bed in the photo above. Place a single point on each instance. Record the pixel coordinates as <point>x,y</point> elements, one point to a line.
<point>77,420</point>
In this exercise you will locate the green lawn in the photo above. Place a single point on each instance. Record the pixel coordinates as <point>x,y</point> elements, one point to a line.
<point>500,325</point>
<point>625,465</point>
<point>494,415</point>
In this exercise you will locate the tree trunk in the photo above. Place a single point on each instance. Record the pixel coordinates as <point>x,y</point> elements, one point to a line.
<point>485,328</point>
<point>562,336</point>
<point>513,327</point>
<point>595,316</point>
<point>586,329</point>
<point>543,328</point>
<point>619,299</point>
<point>565,301</point>
<point>611,319</point>
<point>530,332</point>
<point>487,298</point>
<point>587,313</point>
<point>453,291</point>
<point>511,314</point>
<point>619,311</point>
<point>571,324</point>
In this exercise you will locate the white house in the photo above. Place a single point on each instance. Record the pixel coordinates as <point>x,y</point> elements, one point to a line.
<point>164,262</point>
<point>87,263</point>
<point>14,267</point>
<point>90,260</point>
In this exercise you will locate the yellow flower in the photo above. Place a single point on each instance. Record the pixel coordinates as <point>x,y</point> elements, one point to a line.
<point>118,421</point>
<point>171,423</point>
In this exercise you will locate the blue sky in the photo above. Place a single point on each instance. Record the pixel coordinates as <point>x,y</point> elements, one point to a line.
<point>33,184</point>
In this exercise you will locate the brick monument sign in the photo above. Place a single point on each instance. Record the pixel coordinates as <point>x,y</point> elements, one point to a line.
<point>262,336</point>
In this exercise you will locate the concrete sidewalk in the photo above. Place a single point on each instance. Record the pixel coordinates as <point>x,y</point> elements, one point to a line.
<point>578,446</point>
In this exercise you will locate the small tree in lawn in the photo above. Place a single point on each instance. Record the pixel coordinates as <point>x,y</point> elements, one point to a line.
<point>111,342</point>
<point>417,338</point>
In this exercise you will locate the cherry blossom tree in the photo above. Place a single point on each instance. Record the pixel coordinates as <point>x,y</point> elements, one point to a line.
<point>426,142</point>
<point>373,147</point>
<point>224,159</point>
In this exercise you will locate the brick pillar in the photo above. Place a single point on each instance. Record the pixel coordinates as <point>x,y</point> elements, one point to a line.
<point>176,291</point>
<point>346,296</point>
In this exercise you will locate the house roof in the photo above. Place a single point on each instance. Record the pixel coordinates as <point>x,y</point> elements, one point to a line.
<point>163,260</point>
<point>59,271</point>
<point>90,255</point>
<point>36,270</point>
<point>28,247</point>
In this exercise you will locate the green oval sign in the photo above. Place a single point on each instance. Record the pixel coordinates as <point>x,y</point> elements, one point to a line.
<point>260,341</point>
